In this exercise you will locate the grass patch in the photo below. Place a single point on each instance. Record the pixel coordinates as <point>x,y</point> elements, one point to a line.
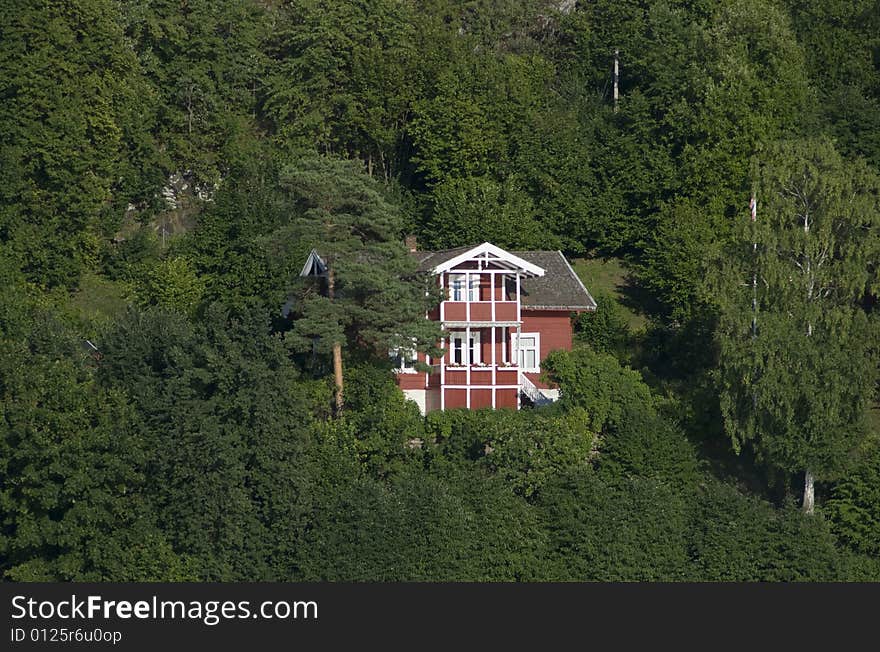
<point>98,299</point>
<point>874,421</point>
<point>612,276</point>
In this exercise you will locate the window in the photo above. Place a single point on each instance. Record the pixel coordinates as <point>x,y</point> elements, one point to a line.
<point>458,290</point>
<point>464,351</point>
<point>529,345</point>
<point>404,360</point>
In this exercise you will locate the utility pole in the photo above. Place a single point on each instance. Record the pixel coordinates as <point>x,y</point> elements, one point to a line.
<point>615,75</point>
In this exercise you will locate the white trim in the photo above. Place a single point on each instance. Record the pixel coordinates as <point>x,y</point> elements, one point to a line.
<point>492,297</point>
<point>467,293</point>
<point>494,365</point>
<point>498,252</point>
<point>480,324</point>
<point>462,336</point>
<point>404,354</point>
<point>443,301</point>
<point>537,347</point>
<point>580,282</point>
<point>442,372</point>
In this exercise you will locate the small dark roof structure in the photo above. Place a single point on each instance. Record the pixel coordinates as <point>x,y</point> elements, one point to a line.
<point>558,289</point>
<point>315,265</point>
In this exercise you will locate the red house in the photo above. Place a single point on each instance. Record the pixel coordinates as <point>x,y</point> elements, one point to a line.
<point>503,312</point>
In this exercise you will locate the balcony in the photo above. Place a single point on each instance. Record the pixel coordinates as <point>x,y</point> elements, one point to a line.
<point>480,375</point>
<point>479,312</point>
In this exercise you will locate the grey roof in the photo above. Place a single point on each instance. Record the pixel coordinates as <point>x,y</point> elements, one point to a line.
<point>559,288</point>
<point>428,260</point>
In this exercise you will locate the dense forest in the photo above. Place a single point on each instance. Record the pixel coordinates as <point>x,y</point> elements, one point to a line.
<point>167,165</point>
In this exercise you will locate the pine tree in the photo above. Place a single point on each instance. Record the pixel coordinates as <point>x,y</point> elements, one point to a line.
<point>373,299</point>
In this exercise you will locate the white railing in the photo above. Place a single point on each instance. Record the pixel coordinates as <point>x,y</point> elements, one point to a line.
<point>532,392</point>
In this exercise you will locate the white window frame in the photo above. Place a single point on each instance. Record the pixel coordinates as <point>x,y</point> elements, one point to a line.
<point>515,346</point>
<point>457,290</point>
<point>406,360</point>
<point>461,336</point>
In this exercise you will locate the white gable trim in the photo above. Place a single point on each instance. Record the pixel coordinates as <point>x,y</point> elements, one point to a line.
<point>314,262</point>
<point>580,282</point>
<point>497,252</point>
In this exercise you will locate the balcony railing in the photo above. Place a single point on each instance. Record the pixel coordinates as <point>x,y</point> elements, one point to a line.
<point>479,311</point>
<point>505,374</point>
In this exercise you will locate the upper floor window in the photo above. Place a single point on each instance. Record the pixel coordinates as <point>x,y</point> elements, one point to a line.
<point>459,290</point>
<point>529,347</point>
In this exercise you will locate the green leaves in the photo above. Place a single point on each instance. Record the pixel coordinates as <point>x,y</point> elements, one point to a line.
<point>71,87</point>
<point>796,389</point>
<point>379,301</point>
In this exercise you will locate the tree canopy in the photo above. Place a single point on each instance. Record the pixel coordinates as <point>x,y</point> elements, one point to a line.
<point>168,378</point>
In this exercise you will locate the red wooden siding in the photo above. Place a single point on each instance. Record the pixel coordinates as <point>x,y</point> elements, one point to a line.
<point>555,329</point>
<point>505,398</point>
<point>455,398</point>
<point>481,398</point>
<point>455,311</point>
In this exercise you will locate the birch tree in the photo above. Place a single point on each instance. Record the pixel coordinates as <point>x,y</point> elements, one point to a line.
<point>797,351</point>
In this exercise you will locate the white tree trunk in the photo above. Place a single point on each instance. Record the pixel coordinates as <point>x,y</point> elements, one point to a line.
<point>809,494</point>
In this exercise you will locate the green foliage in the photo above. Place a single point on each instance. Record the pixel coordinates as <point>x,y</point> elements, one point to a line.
<point>341,79</point>
<point>634,438</point>
<point>854,506</point>
<point>125,260</point>
<point>204,62</point>
<point>227,426</point>
<point>598,383</point>
<point>676,257</point>
<point>614,530</point>
<point>455,526</point>
<point>378,300</point>
<point>234,246</point>
<point>840,41</point>
<point>194,446</point>
<point>605,330</point>
<point>525,448</point>
<point>73,494</point>
<point>71,138</point>
<point>479,209</point>
<point>172,284</point>
<point>739,538</point>
<point>798,387</point>
<point>384,423</point>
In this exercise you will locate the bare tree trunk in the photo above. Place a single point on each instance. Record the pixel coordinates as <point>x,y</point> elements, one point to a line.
<point>337,374</point>
<point>809,493</point>
<point>337,347</point>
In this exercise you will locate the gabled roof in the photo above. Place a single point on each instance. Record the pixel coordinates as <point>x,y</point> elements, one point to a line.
<point>490,252</point>
<point>559,288</point>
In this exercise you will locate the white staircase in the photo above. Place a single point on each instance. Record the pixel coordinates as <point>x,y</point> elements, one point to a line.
<point>532,392</point>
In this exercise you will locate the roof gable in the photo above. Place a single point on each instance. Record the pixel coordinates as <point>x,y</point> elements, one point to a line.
<point>558,289</point>
<point>315,265</point>
<point>490,252</point>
